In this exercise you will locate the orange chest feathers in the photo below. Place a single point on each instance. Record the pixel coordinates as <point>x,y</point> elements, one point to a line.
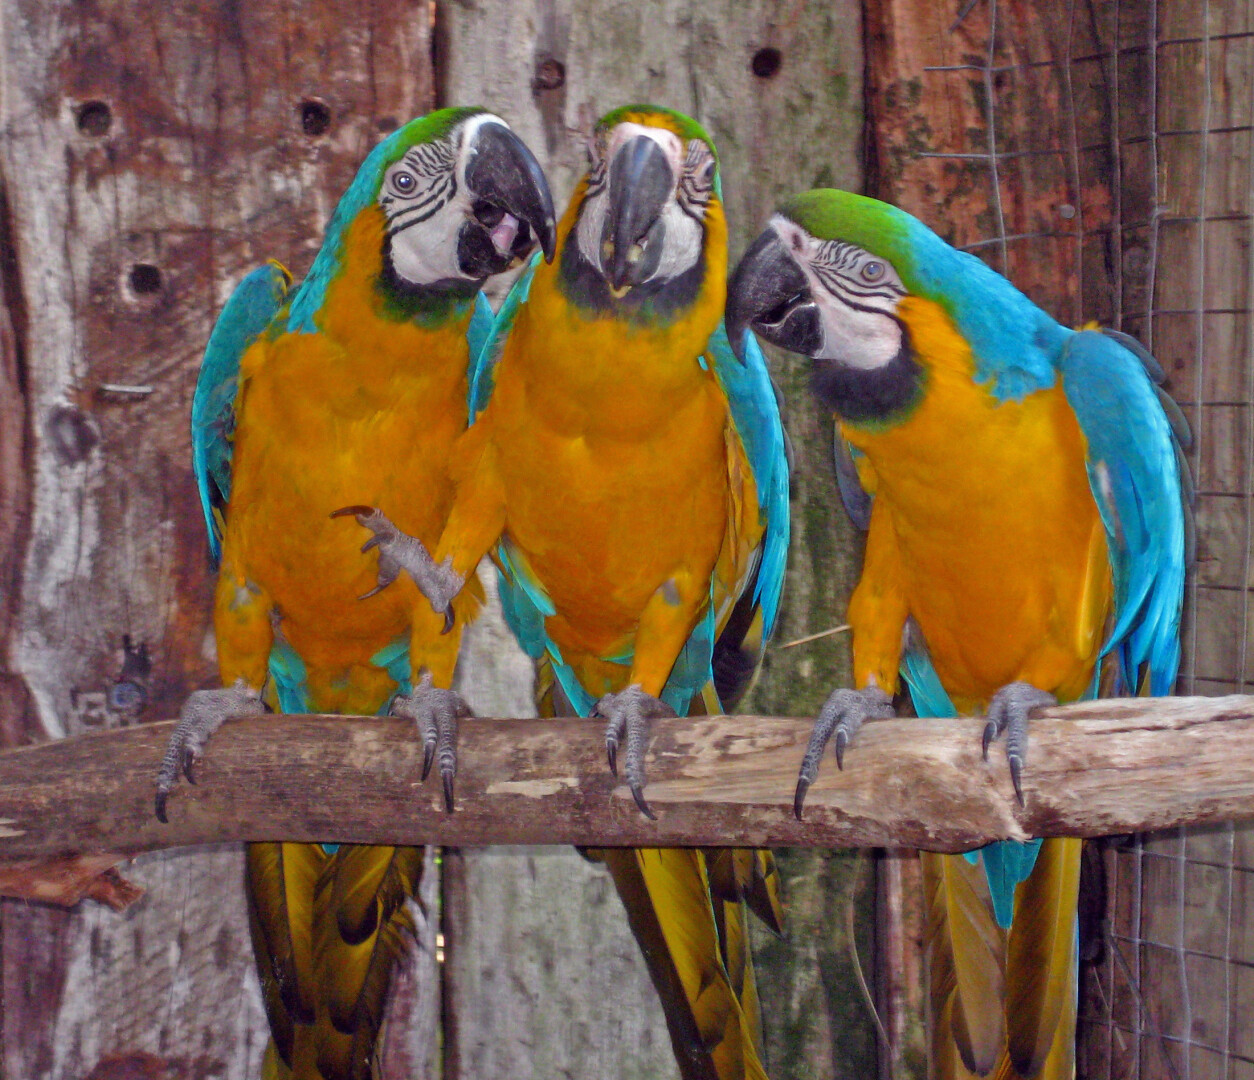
<point>364,411</point>
<point>1000,552</point>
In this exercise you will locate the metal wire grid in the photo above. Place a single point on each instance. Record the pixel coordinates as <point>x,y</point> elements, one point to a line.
<point>1155,146</point>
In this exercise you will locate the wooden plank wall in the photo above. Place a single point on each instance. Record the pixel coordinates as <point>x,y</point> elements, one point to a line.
<point>151,156</point>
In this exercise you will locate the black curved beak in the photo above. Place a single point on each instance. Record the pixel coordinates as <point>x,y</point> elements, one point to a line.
<point>512,199</point>
<point>770,293</point>
<point>640,182</point>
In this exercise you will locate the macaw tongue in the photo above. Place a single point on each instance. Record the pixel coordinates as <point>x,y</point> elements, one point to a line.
<point>504,233</point>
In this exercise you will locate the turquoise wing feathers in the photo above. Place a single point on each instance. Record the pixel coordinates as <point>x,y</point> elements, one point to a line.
<point>251,308</point>
<point>488,334</point>
<point>1140,482</point>
<point>755,415</point>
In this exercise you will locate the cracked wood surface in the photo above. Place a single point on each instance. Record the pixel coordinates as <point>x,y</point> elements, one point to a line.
<point>1094,769</point>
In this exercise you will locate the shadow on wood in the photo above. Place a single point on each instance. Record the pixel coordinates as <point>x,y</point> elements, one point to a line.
<point>1094,768</point>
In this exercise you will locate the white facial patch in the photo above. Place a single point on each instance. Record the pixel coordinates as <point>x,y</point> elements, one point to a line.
<point>426,200</point>
<point>856,294</point>
<point>683,231</point>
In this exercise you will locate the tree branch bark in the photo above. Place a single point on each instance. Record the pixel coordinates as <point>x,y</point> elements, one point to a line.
<point>1094,768</point>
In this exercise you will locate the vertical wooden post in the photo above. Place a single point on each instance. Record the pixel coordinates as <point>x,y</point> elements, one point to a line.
<point>778,85</point>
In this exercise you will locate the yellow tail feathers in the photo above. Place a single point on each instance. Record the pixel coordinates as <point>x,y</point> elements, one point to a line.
<point>327,930</point>
<point>1004,1002</point>
<point>714,1028</point>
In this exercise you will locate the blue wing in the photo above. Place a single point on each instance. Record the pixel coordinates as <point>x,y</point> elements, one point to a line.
<point>252,306</point>
<point>754,406</point>
<point>1140,482</point>
<point>488,334</point>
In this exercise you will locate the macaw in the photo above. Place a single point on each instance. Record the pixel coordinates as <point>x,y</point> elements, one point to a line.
<point>1027,505</point>
<point>628,475</point>
<point>353,384</point>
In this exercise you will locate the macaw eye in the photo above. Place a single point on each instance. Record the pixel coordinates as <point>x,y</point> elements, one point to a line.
<point>873,271</point>
<point>404,183</point>
<point>707,174</point>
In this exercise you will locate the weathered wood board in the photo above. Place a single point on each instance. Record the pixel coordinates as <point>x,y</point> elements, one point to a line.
<point>552,67</point>
<point>151,155</point>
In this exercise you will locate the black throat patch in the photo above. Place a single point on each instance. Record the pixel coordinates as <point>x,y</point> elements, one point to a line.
<point>403,301</point>
<point>877,396</point>
<point>661,301</point>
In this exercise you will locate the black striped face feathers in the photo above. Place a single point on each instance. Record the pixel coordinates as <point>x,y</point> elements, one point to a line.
<point>463,207</point>
<point>855,296</point>
<point>836,303</point>
<point>642,220</point>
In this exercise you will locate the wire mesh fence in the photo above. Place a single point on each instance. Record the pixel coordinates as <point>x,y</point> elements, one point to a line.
<point>1101,154</point>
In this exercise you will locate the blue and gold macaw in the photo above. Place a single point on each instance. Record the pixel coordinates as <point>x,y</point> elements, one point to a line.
<point>1027,506</point>
<point>354,384</point>
<point>628,475</point>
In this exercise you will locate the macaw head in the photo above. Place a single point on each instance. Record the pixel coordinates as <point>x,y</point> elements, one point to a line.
<point>826,279</point>
<point>463,197</point>
<point>643,215</point>
<point>455,197</point>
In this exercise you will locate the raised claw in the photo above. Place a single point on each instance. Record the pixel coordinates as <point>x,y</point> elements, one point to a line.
<point>436,711</point>
<point>627,715</point>
<point>842,714</point>
<point>202,714</point>
<point>398,551</point>
<point>1009,711</point>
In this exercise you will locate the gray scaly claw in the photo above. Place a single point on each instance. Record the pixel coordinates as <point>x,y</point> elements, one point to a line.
<point>202,714</point>
<point>398,551</point>
<point>436,712</point>
<point>1009,711</point>
<point>842,714</point>
<point>627,715</point>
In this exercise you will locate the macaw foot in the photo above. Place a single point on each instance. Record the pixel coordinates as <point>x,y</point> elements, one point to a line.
<point>202,714</point>
<point>1008,712</point>
<point>842,713</point>
<point>398,551</point>
<point>436,712</point>
<point>628,714</point>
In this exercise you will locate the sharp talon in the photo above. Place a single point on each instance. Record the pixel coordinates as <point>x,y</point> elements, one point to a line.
<point>159,809</point>
<point>1016,771</point>
<point>842,741</point>
<point>803,785</point>
<point>448,791</point>
<point>344,511</point>
<point>374,541</point>
<point>611,754</point>
<point>990,733</point>
<point>638,795</point>
<point>375,590</point>
<point>428,756</point>
<point>448,619</point>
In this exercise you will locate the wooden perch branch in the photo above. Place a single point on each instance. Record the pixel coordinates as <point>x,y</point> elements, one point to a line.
<point>1093,768</point>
